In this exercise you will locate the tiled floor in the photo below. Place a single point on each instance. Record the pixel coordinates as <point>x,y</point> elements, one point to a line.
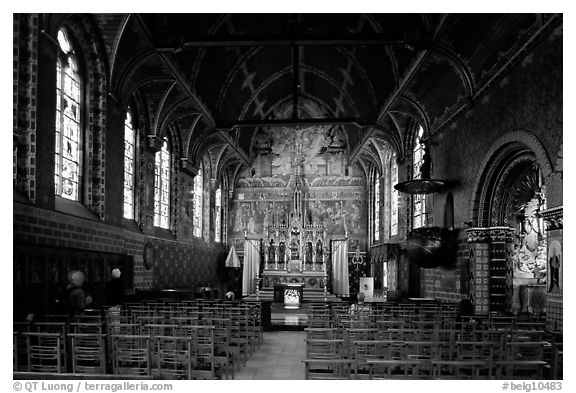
<point>279,357</point>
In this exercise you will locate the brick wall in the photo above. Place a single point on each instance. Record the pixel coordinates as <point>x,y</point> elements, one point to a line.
<point>177,264</point>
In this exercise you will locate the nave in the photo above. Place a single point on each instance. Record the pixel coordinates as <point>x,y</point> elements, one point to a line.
<point>211,339</point>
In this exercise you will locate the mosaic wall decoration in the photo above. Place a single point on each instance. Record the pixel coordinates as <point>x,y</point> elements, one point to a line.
<point>479,269</point>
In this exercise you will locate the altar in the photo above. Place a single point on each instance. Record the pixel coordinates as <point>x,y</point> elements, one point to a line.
<point>294,252</point>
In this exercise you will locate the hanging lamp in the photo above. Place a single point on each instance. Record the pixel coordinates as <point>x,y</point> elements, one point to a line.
<point>423,185</point>
<point>429,247</point>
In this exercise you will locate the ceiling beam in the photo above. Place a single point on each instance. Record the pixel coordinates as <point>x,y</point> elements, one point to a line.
<point>294,122</point>
<point>177,74</point>
<point>293,39</point>
<point>408,76</point>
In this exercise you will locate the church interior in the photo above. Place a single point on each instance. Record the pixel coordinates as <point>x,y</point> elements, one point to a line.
<point>220,189</point>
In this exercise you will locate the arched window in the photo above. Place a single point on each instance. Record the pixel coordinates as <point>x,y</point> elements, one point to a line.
<point>393,196</point>
<point>377,206</point>
<point>68,152</point>
<point>162,187</point>
<point>218,225</point>
<point>129,151</point>
<point>198,199</point>
<point>419,215</point>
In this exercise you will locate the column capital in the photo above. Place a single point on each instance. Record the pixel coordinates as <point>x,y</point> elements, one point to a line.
<point>501,234</point>
<point>553,217</point>
<point>477,235</point>
<point>189,167</point>
<point>155,142</point>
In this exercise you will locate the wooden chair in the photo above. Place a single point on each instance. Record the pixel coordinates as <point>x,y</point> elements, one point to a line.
<point>523,360</point>
<point>357,334</point>
<point>394,368</point>
<point>325,360</point>
<point>557,361</point>
<point>88,352</point>
<point>173,357</point>
<point>240,338</point>
<point>202,354</point>
<point>131,354</point>
<point>224,355</point>
<point>321,333</point>
<point>20,357</point>
<point>45,352</point>
<point>373,349</point>
<point>61,328</point>
<point>471,360</point>
<point>87,327</point>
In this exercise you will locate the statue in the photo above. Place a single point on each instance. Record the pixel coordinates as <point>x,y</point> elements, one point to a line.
<point>309,252</point>
<point>294,252</point>
<point>295,244</point>
<point>271,251</point>
<point>319,250</point>
<point>281,252</point>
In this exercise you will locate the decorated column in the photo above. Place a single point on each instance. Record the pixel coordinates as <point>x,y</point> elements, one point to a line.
<point>479,269</point>
<point>501,269</point>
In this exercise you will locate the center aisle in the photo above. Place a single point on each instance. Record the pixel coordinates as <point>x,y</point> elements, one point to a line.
<point>279,357</point>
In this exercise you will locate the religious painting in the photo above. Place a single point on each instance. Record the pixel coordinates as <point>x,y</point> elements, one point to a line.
<point>332,195</point>
<point>554,279</point>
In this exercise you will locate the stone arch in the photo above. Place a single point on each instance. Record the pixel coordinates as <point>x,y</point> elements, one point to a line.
<point>507,153</point>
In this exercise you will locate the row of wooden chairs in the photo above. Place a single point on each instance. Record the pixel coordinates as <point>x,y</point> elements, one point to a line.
<point>388,359</point>
<point>68,346</point>
<point>519,347</point>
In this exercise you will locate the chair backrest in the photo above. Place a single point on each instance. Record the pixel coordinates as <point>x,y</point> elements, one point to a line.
<point>45,352</point>
<point>131,354</point>
<point>173,357</point>
<point>324,349</point>
<point>88,352</point>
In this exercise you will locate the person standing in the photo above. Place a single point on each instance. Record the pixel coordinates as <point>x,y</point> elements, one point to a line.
<point>78,300</point>
<point>115,289</point>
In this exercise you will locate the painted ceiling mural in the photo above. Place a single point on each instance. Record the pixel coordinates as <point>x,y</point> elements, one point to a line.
<point>312,160</point>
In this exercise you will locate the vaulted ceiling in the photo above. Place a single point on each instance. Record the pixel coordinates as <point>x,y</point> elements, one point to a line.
<point>218,78</point>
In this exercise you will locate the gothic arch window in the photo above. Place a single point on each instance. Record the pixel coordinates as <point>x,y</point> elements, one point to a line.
<point>393,196</point>
<point>419,201</point>
<point>198,201</point>
<point>162,187</point>
<point>129,166</point>
<point>68,149</point>
<point>377,206</point>
<point>218,216</point>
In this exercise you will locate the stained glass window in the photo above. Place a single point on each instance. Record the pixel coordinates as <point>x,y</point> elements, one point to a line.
<point>198,197</point>
<point>67,165</point>
<point>218,225</point>
<point>162,187</point>
<point>377,206</point>
<point>419,214</point>
<point>129,143</point>
<point>393,196</point>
